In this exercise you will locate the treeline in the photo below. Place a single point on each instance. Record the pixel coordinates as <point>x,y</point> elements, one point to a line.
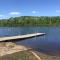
<point>30,21</point>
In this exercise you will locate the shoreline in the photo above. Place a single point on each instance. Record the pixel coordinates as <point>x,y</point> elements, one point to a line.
<point>9,49</point>
<point>44,56</point>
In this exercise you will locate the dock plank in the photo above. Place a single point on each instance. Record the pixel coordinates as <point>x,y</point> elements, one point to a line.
<point>21,36</point>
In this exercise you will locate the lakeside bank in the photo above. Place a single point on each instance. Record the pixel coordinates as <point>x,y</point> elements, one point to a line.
<point>9,51</point>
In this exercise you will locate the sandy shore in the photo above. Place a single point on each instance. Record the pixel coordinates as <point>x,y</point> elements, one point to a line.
<point>44,56</point>
<point>9,48</point>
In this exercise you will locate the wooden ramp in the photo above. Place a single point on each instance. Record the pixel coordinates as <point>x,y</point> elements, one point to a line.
<point>20,36</point>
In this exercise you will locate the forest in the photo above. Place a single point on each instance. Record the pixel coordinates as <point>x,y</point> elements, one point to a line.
<point>31,21</point>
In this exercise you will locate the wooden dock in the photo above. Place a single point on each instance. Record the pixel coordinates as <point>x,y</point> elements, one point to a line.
<point>20,37</point>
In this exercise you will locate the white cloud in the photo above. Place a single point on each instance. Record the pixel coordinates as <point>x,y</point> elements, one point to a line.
<point>34,12</point>
<point>1,15</point>
<point>14,13</point>
<point>57,11</point>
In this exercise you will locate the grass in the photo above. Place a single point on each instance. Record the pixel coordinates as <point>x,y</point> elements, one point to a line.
<point>24,55</point>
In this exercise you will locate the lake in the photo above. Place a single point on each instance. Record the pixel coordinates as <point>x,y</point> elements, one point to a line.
<point>49,43</point>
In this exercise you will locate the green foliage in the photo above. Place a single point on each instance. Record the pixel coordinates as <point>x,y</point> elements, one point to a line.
<point>31,21</point>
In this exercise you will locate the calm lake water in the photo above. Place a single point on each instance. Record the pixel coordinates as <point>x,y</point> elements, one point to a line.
<point>49,43</point>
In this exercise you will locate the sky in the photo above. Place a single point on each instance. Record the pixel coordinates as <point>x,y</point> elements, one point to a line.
<point>14,8</point>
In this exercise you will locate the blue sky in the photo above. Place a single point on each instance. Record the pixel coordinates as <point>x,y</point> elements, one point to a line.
<point>12,8</point>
